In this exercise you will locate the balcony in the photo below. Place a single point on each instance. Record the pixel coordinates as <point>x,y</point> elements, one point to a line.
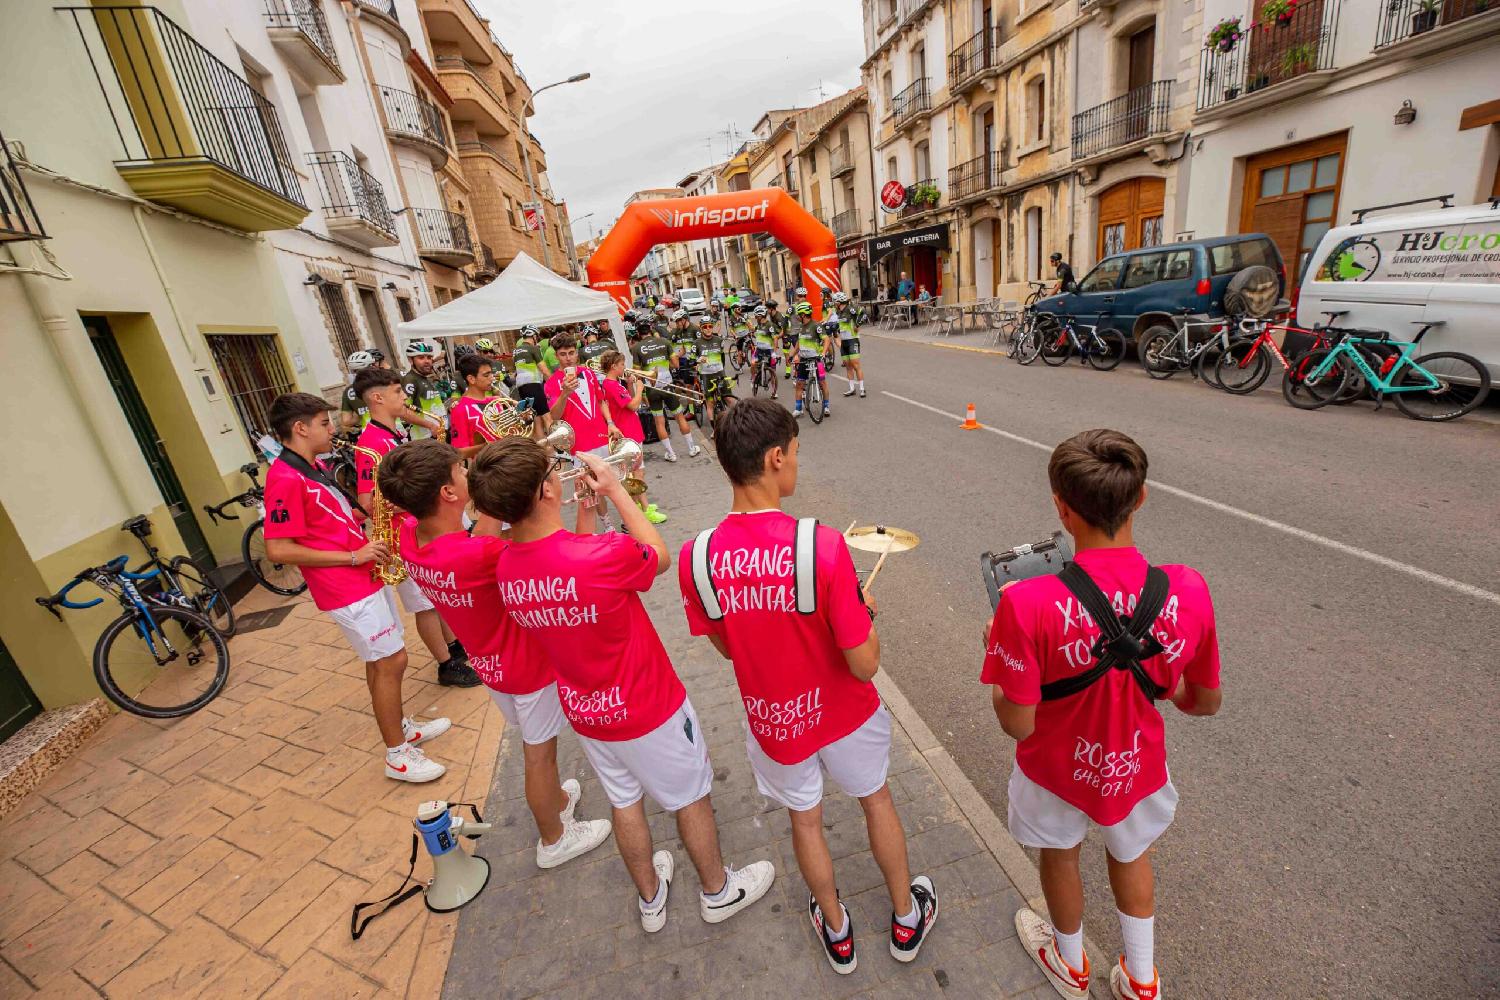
<point>442,236</point>
<point>974,177</point>
<point>354,205</point>
<point>484,264</point>
<point>911,102</point>
<point>196,136</point>
<point>1138,114</point>
<point>1269,56</point>
<point>1401,20</point>
<point>298,30</point>
<point>474,100</point>
<point>485,149</point>
<point>415,121</point>
<point>18,218</point>
<point>840,161</point>
<point>456,22</point>
<point>912,208</point>
<point>846,223</point>
<point>967,63</point>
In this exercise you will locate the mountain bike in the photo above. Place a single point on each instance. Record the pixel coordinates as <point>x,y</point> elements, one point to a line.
<point>278,578</point>
<point>1165,353</point>
<point>1060,339</point>
<point>157,647</point>
<point>181,577</point>
<point>1444,385</point>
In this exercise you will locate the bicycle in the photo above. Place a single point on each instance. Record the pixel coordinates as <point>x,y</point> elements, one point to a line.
<point>739,353</point>
<point>1165,354</point>
<point>279,578</point>
<point>1023,339</point>
<point>764,376</point>
<point>1103,349</point>
<point>812,392</point>
<point>341,463</point>
<point>1453,383</point>
<point>166,664</point>
<point>181,577</point>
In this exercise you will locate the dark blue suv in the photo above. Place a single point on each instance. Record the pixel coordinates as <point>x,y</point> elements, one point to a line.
<point>1139,290</point>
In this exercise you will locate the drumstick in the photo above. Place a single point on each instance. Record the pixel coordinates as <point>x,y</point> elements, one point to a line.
<point>865,590</point>
<point>850,528</point>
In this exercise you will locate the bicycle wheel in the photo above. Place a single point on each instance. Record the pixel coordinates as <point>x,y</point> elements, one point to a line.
<point>1243,368</point>
<point>1028,345</point>
<point>278,578</point>
<point>1107,350</point>
<point>812,398</point>
<point>1307,393</point>
<point>1056,347</point>
<point>344,475</point>
<point>1206,364</point>
<point>208,599</point>
<point>163,671</point>
<point>1156,355</point>
<point>1463,384</point>
<point>736,359</point>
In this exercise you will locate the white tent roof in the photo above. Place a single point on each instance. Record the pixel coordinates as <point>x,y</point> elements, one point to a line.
<point>525,294</point>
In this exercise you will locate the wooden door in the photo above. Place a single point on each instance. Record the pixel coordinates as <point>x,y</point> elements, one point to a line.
<point>1130,215</point>
<point>1292,195</point>
<point>1142,58</point>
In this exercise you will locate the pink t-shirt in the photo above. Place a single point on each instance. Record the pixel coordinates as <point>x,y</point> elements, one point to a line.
<point>457,573</point>
<point>578,596</point>
<point>380,439</point>
<point>466,423</point>
<point>1103,749</point>
<point>628,420</point>
<point>795,684</point>
<point>319,517</point>
<point>585,409</point>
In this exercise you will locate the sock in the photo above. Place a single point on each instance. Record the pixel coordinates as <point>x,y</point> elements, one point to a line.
<point>912,916</point>
<point>455,648</point>
<point>1139,935</point>
<point>1070,946</point>
<point>799,405</point>
<point>861,385</point>
<point>391,751</point>
<point>661,892</point>
<point>723,893</point>
<point>844,931</point>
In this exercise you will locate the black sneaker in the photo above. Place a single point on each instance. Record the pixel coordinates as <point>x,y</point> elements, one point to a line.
<point>457,673</point>
<point>907,941</point>
<point>456,651</point>
<point>840,953</point>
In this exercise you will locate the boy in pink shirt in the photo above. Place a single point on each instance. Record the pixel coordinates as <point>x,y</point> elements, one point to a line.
<point>466,428</point>
<point>456,571</point>
<point>313,525</point>
<point>578,595</point>
<point>575,393</point>
<point>1082,706</point>
<point>780,599</point>
<point>625,394</point>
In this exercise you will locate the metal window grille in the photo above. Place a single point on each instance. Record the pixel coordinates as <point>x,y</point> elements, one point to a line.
<point>975,176</point>
<point>912,100</point>
<point>1401,19</point>
<point>411,115</point>
<point>438,229</point>
<point>340,319</point>
<point>254,373</point>
<point>980,52</point>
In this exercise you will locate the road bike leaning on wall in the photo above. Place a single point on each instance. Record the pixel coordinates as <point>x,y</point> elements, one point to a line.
<point>183,581</point>
<point>171,655</point>
<point>278,578</point>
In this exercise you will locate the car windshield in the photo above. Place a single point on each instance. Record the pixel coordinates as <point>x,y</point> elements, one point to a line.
<point>1104,276</point>
<point>1230,257</point>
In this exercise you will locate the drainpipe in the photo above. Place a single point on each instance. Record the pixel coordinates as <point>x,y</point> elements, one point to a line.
<point>77,361</point>
<point>166,286</point>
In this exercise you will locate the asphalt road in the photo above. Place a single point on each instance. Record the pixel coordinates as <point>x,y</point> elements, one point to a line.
<point>1337,835</point>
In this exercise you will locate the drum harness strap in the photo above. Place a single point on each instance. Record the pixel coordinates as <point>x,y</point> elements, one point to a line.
<point>805,559</point>
<point>1124,641</point>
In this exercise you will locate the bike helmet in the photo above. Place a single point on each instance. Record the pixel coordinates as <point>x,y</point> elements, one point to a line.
<point>803,309</point>
<point>679,314</point>
<point>462,350</point>
<point>841,297</point>
<point>589,328</point>
<point>707,321</point>
<point>660,310</point>
<point>772,304</point>
<point>378,355</point>
<point>801,292</point>
<point>420,349</point>
<point>360,360</point>
<point>484,344</point>
<point>628,326</point>
<point>759,311</point>
<point>529,331</point>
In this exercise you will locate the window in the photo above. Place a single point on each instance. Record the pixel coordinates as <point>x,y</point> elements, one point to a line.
<point>1149,268</point>
<point>1227,258</point>
<point>890,168</point>
<point>407,312</point>
<point>340,320</point>
<point>924,165</point>
<point>1103,277</point>
<point>1114,239</point>
<point>1151,231</point>
<point>380,333</point>
<point>918,63</point>
<point>1036,110</point>
<point>510,212</point>
<point>887,91</point>
<point>1033,244</point>
<point>254,373</point>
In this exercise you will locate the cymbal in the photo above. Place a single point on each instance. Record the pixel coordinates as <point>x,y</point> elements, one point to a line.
<point>879,538</point>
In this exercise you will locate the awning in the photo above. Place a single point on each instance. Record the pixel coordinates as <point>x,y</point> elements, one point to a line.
<point>926,238</point>
<point>859,251</point>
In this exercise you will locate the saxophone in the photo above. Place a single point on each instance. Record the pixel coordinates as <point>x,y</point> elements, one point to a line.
<point>383,527</point>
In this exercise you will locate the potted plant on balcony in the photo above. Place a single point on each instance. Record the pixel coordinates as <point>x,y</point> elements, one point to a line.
<point>1299,57</point>
<point>925,196</point>
<point>1424,18</point>
<point>1279,11</point>
<point>1225,35</point>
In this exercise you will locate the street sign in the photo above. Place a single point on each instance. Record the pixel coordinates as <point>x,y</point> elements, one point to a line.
<point>532,211</point>
<point>893,196</point>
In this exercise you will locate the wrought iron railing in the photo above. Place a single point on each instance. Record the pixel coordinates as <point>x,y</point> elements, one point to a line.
<point>1403,19</point>
<point>975,176</point>
<point>307,17</point>
<point>485,260</point>
<point>349,192</point>
<point>845,223</point>
<point>441,231</point>
<point>1142,112</point>
<point>979,53</point>
<point>386,7</point>
<point>910,101</point>
<point>840,159</point>
<point>18,218</point>
<point>913,207</point>
<point>173,100</point>
<point>412,115</point>
<point>1267,54</point>
<point>484,147</point>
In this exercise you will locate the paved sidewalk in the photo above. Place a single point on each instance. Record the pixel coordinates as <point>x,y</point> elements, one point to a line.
<point>575,931</point>
<point>219,855</point>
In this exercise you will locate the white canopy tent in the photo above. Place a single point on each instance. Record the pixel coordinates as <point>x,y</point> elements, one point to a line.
<point>525,294</point>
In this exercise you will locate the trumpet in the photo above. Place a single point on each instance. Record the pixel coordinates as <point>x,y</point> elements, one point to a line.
<point>503,418</point>
<point>682,392</point>
<point>623,456</point>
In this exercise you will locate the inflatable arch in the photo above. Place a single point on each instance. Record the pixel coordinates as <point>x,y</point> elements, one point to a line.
<point>736,213</point>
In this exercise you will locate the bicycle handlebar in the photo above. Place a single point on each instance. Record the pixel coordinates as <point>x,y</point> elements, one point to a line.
<point>114,568</point>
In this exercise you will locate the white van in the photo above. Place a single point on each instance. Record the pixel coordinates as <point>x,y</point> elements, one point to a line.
<point>1396,272</point>
<point>692,300</point>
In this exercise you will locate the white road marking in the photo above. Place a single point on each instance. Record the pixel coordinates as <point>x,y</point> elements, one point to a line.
<point>1458,586</point>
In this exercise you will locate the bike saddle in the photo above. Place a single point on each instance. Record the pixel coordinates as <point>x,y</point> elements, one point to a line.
<point>137,526</point>
<point>250,468</point>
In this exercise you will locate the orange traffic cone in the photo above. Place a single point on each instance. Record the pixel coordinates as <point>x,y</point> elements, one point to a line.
<point>970,424</point>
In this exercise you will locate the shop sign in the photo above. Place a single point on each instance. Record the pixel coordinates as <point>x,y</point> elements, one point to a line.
<point>926,238</point>
<point>893,196</point>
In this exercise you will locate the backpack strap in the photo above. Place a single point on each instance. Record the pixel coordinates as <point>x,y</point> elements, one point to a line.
<point>702,581</point>
<point>1123,641</point>
<point>805,553</point>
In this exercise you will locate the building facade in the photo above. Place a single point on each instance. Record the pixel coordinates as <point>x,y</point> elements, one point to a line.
<point>838,161</point>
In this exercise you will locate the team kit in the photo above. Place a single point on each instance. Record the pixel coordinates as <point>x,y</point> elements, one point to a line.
<point>468,535</point>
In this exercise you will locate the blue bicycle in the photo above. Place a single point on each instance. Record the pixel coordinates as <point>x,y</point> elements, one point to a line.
<point>152,659</point>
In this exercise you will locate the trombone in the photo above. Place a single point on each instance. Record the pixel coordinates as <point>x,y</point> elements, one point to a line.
<point>682,392</point>
<point>623,456</point>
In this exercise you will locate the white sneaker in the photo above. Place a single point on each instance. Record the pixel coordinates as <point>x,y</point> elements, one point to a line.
<point>655,919</point>
<point>579,837</point>
<point>421,732</point>
<point>694,451</point>
<point>1040,943</point>
<point>575,792</point>
<point>670,455</point>
<point>1122,986</point>
<point>408,763</point>
<point>744,886</point>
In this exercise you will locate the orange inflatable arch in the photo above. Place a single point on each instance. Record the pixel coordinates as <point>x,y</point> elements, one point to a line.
<point>736,213</point>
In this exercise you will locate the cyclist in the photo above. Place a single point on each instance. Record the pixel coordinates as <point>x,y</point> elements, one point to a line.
<point>848,338</point>
<point>595,344</point>
<point>812,340</point>
<point>654,355</point>
<point>353,413</point>
<point>660,324</point>
<point>790,334</point>
<point>716,382</point>
<point>531,375</point>
<point>763,335</point>
<point>424,391</point>
<point>1065,280</point>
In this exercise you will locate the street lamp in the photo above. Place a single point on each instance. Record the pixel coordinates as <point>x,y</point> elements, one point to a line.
<point>576,221</point>
<point>526,154</point>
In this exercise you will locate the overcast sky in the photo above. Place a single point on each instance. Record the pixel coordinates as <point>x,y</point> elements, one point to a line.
<point>665,82</point>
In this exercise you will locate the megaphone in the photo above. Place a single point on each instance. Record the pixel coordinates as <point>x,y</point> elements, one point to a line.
<point>457,876</point>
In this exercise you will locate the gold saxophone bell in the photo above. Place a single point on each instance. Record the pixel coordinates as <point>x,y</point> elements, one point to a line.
<point>503,418</point>
<point>383,527</point>
<point>623,456</point>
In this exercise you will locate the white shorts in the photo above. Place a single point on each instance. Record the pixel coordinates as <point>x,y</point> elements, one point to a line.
<point>670,763</point>
<point>372,626</point>
<point>538,715</point>
<point>412,598</point>
<point>858,764</point>
<point>1038,818</point>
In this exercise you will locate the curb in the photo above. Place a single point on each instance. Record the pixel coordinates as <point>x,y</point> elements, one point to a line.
<point>934,343</point>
